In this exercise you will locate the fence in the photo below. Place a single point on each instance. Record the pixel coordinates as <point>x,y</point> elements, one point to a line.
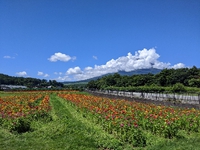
<point>183,98</point>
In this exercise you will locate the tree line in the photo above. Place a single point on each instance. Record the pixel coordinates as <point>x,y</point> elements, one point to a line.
<point>29,82</point>
<point>179,79</point>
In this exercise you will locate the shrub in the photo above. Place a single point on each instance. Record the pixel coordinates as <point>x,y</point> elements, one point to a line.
<point>178,88</point>
<point>20,125</point>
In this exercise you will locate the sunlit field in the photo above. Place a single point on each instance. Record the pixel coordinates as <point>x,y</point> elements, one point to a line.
<point>77,120</point>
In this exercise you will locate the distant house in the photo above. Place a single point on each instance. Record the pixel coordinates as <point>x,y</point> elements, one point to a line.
<point>49,87</point>
<point>10,87</point>
<point>3,87</point>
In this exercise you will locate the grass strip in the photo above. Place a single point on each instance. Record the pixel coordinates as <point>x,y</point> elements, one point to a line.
<point>90,130</point>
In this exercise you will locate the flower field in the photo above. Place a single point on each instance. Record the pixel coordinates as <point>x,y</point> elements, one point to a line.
<point>129,120</point>
<point>17,111</point>
<point>130,123</point>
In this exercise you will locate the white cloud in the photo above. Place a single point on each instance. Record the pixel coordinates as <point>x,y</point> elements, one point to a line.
<point>61,57</point>
<point>58,73</point>
<point>142,59</point>
<point>8,57</point>
<point>23,73</point>
<point>88,68</point>
<point>64,78</point>
<point>179,65</point>
<point>46,75</point>
<point>95,57</point>
<point>40,73</point>
<point>75,70</point>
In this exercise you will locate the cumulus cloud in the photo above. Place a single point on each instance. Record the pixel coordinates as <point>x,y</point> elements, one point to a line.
<point>179,65</point>
<point>75,70</point>
<point>23,73</point>
<point>88,68</point>
<point>142,59</point>
<point>60,57</point>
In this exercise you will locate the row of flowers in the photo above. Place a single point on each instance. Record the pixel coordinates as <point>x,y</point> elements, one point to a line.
<point>21,104</point>
<point>127,119</point>
<point>17,106</point>
<point>18,111</point>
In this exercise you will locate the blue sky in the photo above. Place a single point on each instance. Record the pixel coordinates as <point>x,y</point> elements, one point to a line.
<point>69,40</point>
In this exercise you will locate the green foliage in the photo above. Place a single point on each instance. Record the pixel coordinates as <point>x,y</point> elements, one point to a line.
<point>194,82</point>
<point>168,80</point>
<point>41,116</point>
<point>20,125</point>
<point>29,82</point>
<point>75,86</point>
<point>23,124</point>
<point>178,88</point>
<point>140,139</point>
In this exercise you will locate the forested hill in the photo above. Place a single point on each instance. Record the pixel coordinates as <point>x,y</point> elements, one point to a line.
<point>167,77</point>
<point>29,82</point>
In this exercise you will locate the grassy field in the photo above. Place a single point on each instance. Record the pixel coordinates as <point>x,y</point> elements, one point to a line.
<point>68,128</point>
